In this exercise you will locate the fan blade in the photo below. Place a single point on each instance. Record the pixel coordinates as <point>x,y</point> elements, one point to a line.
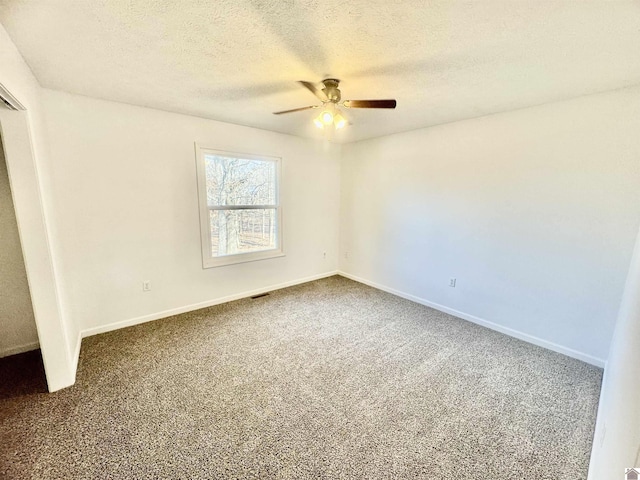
<point>296,110</point>
<point>370,103</point>
<point>312,88</point>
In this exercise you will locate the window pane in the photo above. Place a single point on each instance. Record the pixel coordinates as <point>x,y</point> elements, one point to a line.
<point>242,231</point>
<point>238,181</point>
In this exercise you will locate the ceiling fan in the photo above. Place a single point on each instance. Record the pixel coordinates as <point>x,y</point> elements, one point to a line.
<point>331,98</point>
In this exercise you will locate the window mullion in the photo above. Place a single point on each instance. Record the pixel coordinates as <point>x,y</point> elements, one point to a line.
<point>241,207</point>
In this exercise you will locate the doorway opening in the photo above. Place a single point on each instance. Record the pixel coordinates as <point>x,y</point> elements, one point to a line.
<point>59,341</point>
<point>21,366</point>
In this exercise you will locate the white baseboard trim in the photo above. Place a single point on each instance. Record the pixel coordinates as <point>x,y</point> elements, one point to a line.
<point>70,378</point>
<point>598,362</point>
<point>196,306</point>
<point>75,356</point>
<point>27,347</point>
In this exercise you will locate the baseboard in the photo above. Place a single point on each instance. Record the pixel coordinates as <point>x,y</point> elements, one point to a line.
<point>69,378</point>
<point>600,428</point>
<point>75,356</point>
<point>27,347</point>
<point>598,362</point>
<point>196,306</point>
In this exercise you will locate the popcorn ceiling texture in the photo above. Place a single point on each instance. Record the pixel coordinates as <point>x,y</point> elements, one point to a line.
<point>238,60</point>
<point>326,380</point>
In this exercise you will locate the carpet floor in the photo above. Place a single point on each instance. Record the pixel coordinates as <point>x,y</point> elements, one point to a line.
<point>326,380</point>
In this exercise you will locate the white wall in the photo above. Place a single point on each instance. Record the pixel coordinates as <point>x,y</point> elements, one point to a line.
<point>616,444</point>
<point>534,212</point>
<point>124,181</point>
<point>26,157</point>
<point>17,324</point>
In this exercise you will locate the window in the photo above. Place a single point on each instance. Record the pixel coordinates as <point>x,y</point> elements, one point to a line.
<point>240,212</point>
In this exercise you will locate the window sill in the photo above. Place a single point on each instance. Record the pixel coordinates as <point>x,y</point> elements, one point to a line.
<point>241,258</point>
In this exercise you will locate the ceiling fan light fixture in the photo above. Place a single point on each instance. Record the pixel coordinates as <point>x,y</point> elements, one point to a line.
<point>330,97</point>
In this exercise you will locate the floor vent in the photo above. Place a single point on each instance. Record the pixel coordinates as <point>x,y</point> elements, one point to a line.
<point>258,296</point>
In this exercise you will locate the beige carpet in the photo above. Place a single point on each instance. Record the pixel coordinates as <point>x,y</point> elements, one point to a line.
<point>326,380</point>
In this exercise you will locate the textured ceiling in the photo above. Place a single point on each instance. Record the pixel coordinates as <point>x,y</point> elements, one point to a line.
<point>239,60</point>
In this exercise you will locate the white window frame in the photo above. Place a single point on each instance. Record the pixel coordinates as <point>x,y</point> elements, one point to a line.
<point>208,260</point>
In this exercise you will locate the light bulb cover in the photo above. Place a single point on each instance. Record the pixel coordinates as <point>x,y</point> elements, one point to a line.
<point>318,121</point>
<point>339,121</point>
<point>326,117</point>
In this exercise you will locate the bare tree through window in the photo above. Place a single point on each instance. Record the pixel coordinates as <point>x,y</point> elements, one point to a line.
<point>242,203</point>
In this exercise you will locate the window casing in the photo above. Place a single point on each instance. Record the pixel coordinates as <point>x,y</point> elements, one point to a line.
<point>240,211</point>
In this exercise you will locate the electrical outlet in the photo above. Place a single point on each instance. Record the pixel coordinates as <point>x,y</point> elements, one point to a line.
<point>324,255</point>
<point>346,255</point>
<point>452,282</point>
<point>146,286</point>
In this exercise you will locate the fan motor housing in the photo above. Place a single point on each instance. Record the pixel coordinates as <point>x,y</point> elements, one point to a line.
<point>331,89</point>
